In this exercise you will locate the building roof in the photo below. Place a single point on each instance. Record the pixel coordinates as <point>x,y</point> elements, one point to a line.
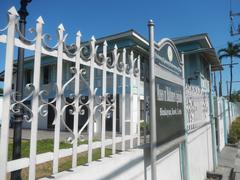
<point>203,46</point>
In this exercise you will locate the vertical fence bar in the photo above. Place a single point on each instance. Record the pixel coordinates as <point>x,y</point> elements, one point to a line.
<point>12,13</point>
<point>184,146</point>
<point>212,120</point>
<point>115,102</point>
<point>104,84</point>
<point>76,103</point>
<point>91,103</point>
<point>138,103</point>
<point>123,98</point>
<point>224,121</point>
<point>59,99</point>
<point>35,101</point>
<point>131,99</point>
<point>229,117</point>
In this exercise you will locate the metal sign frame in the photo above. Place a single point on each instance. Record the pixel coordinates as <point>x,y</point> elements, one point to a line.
<point>167,71</point>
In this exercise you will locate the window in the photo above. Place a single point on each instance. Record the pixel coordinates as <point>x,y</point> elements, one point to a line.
<point>46,74</point>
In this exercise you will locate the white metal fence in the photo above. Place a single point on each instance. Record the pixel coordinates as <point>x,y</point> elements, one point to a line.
<point>225,113</point>
<point>197,107</point>
<point>117,62</point>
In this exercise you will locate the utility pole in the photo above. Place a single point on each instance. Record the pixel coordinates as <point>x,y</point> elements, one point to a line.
<point>215,83</point>
<point>17,124</point>
<point>220,81</point>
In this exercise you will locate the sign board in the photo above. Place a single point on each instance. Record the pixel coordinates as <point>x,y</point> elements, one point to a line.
<point>169,93</point>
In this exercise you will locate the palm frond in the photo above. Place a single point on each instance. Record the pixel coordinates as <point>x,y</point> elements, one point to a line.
<point>223,56</point>
<point>223,50</point>
<point>238,56</point>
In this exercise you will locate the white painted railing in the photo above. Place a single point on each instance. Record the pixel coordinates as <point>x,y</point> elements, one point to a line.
<point>88,55</point>
<point>197,107</point>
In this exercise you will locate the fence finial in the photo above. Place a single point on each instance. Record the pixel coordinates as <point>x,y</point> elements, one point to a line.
<point>105,43</point>
<point>13,11</point>
<point>93,38</point>
<point>61,27</point>
<point>79,34</point>
<point>40,20</point>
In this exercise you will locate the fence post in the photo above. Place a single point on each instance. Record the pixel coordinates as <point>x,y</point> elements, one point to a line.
<point>153,136</point>
<point>115,101</point>
<point>35,101</point>
<point>12,14</point>
<point>123,98</point>
<point>59,99</point>
<point>104,94</point>
<point>131,99</point>
<point>138,103</point>
<point>225,121</point>
<point>91,103</point>
<point>216,115</point>
<point>212,120</point>
<point>184,147</point>
<point>76,103</point>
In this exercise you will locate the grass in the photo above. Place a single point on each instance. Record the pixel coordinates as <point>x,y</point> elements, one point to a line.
<point>234,134</point>
<point>45,169</point>
<point>43,146</point>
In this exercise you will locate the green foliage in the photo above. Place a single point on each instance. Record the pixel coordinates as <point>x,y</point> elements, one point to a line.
<point>142,124</point>
<point>236,96</point>
<point>46,145</point>
<point>231,51</point>
<point>43,146</point>
<point>234,134</point>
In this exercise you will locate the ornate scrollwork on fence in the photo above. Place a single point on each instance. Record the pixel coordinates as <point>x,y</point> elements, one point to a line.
<point>19,106</point>
<point>136,70</point>
<point>69,100</point>
<point>46,38</point>
<point>109,105</point>
<point>23,37</point>
<point>197,107</point>
<point>72,49</point>
<point>120,64</point>
<point>88,51</point>
<point>43,108</point>
<point>4,29</point>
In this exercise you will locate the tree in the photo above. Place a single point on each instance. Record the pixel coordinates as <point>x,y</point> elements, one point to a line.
<point>231,51</point>
<point>236,96</point>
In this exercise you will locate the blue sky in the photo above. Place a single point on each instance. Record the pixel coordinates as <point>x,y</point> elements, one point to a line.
<point>173,18</point>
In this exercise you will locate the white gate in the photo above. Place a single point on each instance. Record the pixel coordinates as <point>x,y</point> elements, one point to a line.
<point>91,55</point>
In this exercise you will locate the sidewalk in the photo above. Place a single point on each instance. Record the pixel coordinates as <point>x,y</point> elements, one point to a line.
<point>229,163</point>
<point>125,165</point>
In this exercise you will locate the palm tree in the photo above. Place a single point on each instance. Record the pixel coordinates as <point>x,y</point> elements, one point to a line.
<point>232,50</point>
